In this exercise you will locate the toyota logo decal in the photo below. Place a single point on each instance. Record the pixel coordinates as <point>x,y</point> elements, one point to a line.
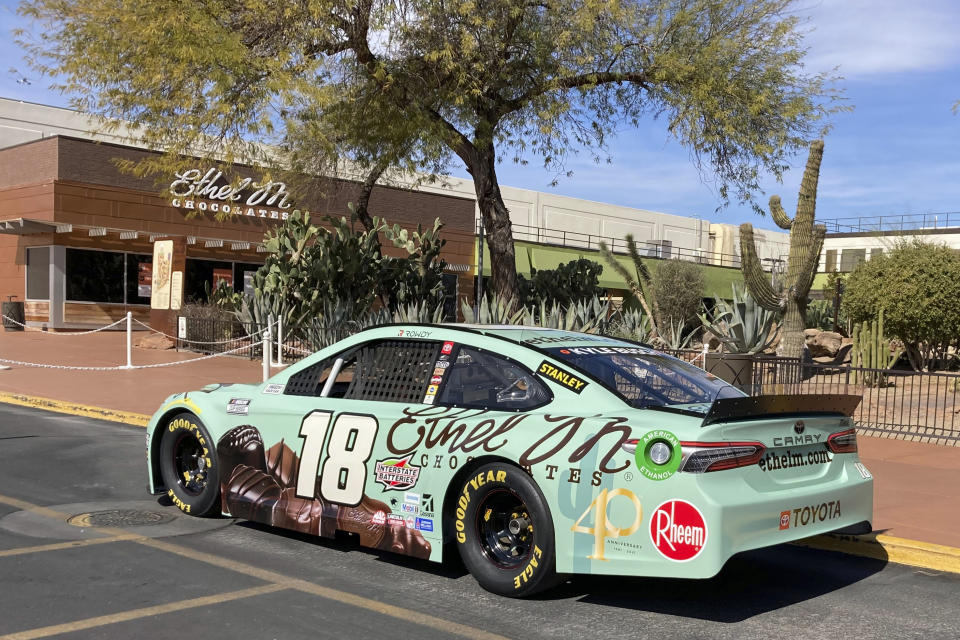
<point>798,427</point>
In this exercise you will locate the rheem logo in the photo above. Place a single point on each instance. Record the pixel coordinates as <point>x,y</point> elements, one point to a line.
<point>678,530</point>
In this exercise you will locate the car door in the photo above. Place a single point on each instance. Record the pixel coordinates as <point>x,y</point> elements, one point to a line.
<point>320,474</point>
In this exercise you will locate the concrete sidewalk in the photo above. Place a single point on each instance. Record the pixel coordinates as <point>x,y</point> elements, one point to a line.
<point>917,487</point>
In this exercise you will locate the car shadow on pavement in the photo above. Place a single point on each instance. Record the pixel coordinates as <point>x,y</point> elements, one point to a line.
<point>346,543</point>
<point>751,583</point>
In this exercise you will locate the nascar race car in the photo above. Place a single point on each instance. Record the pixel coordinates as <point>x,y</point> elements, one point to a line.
<point>535,453</point>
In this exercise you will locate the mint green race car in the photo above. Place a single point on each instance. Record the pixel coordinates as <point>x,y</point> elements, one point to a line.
<point>535,453</point>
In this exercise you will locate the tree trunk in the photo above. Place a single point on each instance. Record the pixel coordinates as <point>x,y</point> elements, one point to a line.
<point>793,342</point>
<point>496,224</point>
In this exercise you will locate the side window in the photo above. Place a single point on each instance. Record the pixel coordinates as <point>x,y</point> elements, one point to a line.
<point>389,371</point>
<point>481,380</point>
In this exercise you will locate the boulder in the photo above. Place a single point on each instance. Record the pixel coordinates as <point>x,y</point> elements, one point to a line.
<point>155,341</point>
<point>826,343</point>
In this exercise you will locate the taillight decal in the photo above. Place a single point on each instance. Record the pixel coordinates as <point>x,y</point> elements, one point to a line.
<point>703,457</point>
<point>843,441</point>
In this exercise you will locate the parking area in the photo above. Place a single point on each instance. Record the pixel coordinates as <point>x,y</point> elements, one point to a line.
<point>86,553</point>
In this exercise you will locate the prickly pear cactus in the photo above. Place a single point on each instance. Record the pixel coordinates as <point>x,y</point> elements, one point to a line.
<point>806,242</point>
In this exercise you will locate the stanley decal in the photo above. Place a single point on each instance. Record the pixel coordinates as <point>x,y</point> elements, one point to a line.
<point>560,376</point>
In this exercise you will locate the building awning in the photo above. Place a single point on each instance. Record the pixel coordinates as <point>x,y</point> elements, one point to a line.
<point>25,226</point>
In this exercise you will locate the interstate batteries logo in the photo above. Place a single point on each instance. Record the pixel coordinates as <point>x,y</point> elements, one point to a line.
<point>678,530</point>
<point>397,473</point>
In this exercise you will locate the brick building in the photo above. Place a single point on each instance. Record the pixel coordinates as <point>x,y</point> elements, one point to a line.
<point>77,235</point>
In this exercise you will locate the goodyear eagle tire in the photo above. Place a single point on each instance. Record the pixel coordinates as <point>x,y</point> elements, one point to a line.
<point>188,465</point>
<point>504,531</point>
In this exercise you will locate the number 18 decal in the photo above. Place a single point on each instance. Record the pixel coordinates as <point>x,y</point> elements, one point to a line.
<point>344,472</point>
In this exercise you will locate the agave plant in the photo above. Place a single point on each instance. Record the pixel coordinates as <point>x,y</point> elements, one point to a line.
<point>672,336</point>
<point>743,326</point>
<point>589,316</point>
<point>419,312</point>
<point>495,309</point>
<point>631,324</point>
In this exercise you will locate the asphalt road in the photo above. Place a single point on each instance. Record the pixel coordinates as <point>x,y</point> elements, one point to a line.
<point>187,577</point>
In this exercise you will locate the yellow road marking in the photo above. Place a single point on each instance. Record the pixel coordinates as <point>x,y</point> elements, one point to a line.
<point>329,593</point>
<point>277,580</point>
<point>892,549</point>
<point>57,546</point>
<point>74,409</point>
<point>134,614</point>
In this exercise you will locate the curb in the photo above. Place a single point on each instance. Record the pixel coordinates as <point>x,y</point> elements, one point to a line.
<point>74,409</point>
<point>879,546</point>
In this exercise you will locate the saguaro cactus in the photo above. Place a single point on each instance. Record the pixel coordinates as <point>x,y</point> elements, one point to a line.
<point>806,242</point>
<point>872,351</point>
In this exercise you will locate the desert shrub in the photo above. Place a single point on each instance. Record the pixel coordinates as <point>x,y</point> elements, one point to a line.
<point>677,291</point>
<point>917,284</point>
<point>570,283</point>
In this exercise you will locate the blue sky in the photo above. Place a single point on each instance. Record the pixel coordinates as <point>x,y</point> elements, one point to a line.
<point>897,152</point>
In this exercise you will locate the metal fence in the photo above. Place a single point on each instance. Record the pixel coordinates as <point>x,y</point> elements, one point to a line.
<point>908,405</point>
<point>904,222</point>
<point>208,336</point>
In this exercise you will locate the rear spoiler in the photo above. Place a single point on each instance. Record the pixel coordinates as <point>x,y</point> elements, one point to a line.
<point>781,406</point>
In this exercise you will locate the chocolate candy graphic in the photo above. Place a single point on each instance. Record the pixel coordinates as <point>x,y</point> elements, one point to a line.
<point>306,516</point>
<point>240,446</point>
<point>282,464</point>
<point>251,494</point>
<point>400,539</point>
<point>391,536</point>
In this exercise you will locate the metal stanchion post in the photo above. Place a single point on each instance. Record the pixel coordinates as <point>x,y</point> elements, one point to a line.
<point>266,354</point>
<point>280,341</point>
<point>129,341</point>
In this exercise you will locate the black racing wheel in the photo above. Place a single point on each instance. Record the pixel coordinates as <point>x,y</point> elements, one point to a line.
<point>188,465</point>
<point>504,531</point>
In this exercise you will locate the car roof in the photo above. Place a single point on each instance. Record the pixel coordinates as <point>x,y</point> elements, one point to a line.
<point>527,335</point>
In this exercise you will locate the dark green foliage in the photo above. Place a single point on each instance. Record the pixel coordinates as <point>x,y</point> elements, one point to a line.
<point>677,288</point>
<point>569,283</point>
<point>418,277</point>
<point>820,315</point>
<point>917,285</point>
<point>308,267</point>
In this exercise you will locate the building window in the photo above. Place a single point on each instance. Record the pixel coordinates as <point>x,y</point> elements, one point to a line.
<point>243,276</point>
<point>95,276</point>
<point>831,265</point>
<point>199,278</point>
<point>133,278</point>
<point>850,258</point>
<point>38,273</point>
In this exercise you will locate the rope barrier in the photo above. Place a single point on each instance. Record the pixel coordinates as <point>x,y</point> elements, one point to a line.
<point>228,340</point>
<point>71,334</point>
<point>121,368</point>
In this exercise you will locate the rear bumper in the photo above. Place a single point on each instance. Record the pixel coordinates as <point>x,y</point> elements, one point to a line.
<point>739,517</point>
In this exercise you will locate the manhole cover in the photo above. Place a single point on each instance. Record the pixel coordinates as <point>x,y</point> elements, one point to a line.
<point>120,518</point>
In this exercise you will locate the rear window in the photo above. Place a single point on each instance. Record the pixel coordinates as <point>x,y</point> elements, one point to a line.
<point>645,378</point>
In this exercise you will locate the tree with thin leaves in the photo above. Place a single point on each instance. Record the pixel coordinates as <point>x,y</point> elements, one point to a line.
<point>417,83</point>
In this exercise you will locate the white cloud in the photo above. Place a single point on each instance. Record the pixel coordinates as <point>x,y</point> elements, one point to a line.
<point>865,37</point>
